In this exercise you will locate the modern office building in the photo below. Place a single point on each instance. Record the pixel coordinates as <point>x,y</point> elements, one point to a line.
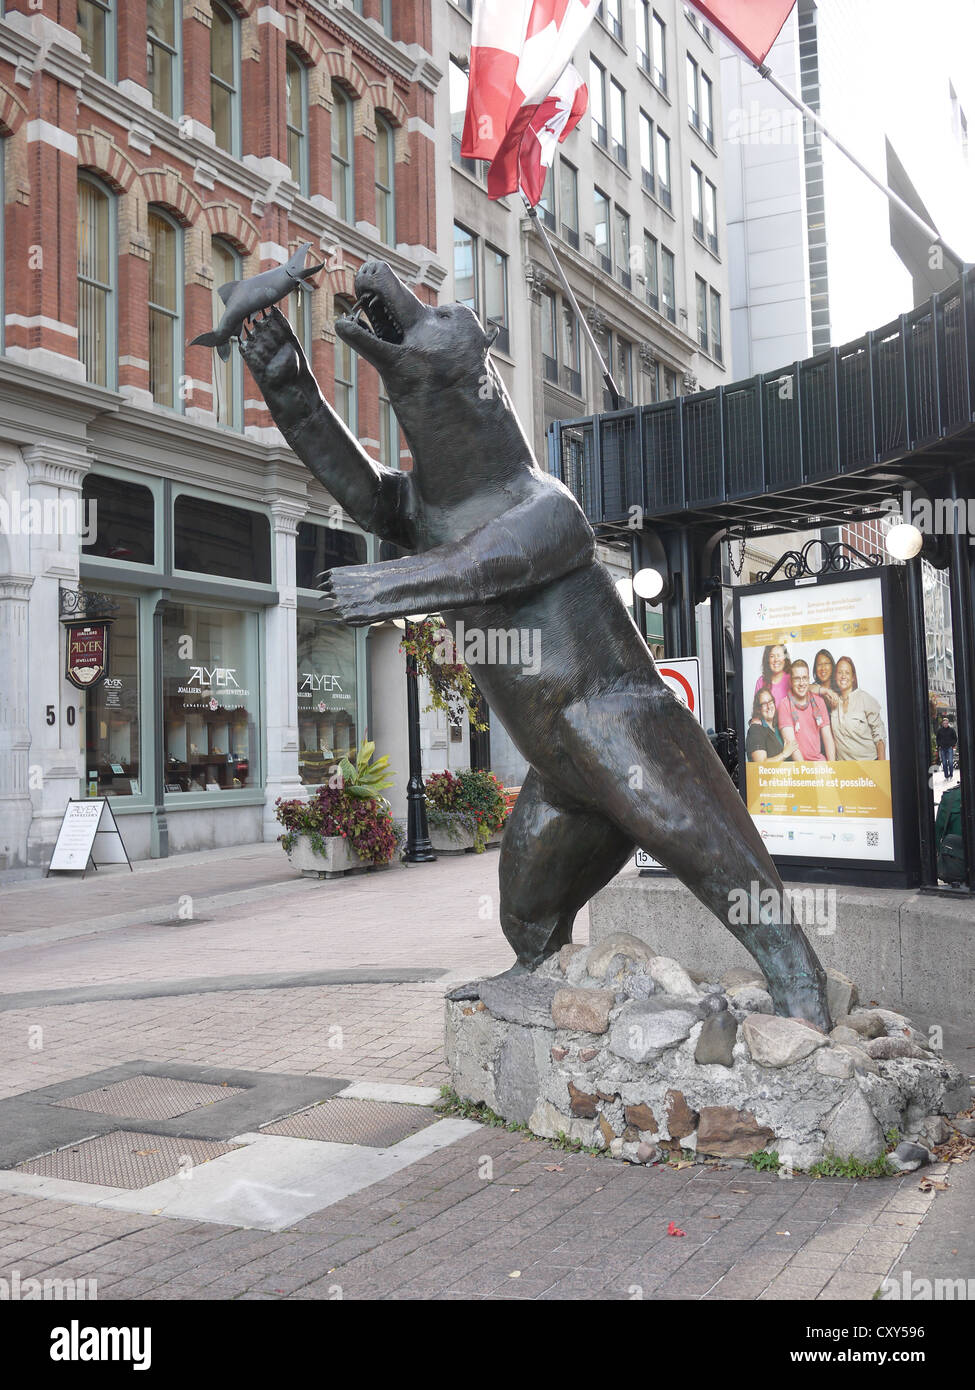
<point>151,152</point>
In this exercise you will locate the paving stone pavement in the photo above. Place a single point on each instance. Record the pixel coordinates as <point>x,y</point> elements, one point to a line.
<point>494,1215</point>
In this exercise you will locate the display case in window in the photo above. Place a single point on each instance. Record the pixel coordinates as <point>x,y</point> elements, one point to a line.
<point>327,729</point>
<point>111,724</point>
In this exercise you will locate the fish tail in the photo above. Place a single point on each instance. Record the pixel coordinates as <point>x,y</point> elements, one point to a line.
<point>223,351</point>
<point>207,340</point>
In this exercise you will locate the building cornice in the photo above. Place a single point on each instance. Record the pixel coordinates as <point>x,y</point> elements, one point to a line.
<point>409,62</point>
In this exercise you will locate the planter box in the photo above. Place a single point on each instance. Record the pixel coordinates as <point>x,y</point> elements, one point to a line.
<point>461,842</point>
<point>339,858</point>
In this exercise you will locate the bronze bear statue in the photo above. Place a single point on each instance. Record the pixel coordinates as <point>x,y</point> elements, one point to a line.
<point>615,760</point>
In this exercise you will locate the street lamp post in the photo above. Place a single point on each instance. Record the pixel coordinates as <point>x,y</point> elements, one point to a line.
<point>418,848</point>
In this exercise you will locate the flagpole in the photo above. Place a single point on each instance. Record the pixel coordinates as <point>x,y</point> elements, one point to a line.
<point>936,239</point>
<point>608,381</point>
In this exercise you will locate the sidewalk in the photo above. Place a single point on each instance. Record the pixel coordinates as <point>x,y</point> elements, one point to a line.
<point>345,979</point>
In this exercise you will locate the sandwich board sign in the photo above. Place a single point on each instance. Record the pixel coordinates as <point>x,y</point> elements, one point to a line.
<point>682,676</point>
<point>88,835</point>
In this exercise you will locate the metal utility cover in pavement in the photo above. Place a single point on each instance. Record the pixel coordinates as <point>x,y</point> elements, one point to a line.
<point>372,1123</point>
<point>149,1098</point>
<point>125,1159</point>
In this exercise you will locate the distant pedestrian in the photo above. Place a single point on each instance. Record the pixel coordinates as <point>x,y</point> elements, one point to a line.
<point>948,838</point>
<point>947,740</point>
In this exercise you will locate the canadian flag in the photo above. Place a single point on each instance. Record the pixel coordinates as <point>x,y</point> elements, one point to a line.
<point>752,25</point>
<point>524,95</point>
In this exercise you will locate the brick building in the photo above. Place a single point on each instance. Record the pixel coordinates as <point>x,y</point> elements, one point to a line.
<point>152,150</point>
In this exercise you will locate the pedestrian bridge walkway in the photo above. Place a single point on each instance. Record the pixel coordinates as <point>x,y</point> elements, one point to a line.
<point>823,441</point>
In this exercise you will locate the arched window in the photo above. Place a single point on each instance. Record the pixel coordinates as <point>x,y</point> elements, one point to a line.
<point>346,382</point>
<point>225,78</point>
<point>97,263</point>
<point>96,30</point>
<point>164,34</point>
<point>385,182</point>
<point>343,173</point>
<point>228,377</point>
<point>296,80</point>
<point>165,309</point>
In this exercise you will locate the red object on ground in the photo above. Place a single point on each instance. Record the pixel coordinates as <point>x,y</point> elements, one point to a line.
<point>674,1230</point>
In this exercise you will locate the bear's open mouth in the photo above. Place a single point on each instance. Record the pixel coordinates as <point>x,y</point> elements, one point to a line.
<point>371,312</point>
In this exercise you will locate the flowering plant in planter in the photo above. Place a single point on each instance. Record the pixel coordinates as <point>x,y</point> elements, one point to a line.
<point>452,688</point>
<point>349,806</point>
<point>470,801</point>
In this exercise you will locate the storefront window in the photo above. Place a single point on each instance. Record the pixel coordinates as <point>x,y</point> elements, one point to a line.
<point>212,538</point>
<point>112,761</point>
<point>119,519</point>
<point>321,548</point>
<point>210,699</point>
<point>326,698</point>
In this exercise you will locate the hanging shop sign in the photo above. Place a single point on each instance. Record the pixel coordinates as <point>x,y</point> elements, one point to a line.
<point>86,651</point>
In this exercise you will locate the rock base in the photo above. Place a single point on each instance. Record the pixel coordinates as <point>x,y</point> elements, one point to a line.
<point>620,1049</point>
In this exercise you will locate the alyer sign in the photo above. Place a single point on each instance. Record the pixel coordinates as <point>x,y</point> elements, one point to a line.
<point>86,659</point>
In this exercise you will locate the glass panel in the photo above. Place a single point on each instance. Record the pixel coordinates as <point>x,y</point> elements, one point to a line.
<point>496,287</point>
<point>385,173</point>
<point>211,680</point>
<point>702,311</point>
<point>692,95</point>
<point>320,548</point>
<point>548,325</point>
<point>94,280</point>
<point>342,155</point>
<point>650,265</point>
<point>663,159</point>
<point>646,143</point>
<point>597,96</point>
<point>569,181</point>
<point>667,288</point>
<point>570,336</point>
<point>602,223</point>
<point>295,95</point>
<point>716,325</point>
<point>113,760</point>
<point>222,115</point>
<point>163,237</point>
<point>618,120</point>
<point>222,46</point>
<point>92,31</point>
<point>119,517</point>
<point>707,93</point>
<point>162,344</point>
<point>163,20</point>
<point>345,376</point>
<point>225,267</point>
<point>326,698</point>
<point>465,268</point>
<point>212,538</point>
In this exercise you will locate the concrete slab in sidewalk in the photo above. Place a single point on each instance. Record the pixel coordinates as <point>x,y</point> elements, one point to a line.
<point>268,1184</point>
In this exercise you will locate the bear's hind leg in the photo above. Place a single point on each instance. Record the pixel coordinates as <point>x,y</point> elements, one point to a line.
<point>553,859</point>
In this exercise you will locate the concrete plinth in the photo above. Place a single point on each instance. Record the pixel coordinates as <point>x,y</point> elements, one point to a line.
<point>911,951</point>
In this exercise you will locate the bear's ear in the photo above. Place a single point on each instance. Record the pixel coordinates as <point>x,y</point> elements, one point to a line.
<point>491,334</point>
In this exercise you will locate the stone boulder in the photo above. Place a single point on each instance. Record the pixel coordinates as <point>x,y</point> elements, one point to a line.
<point>520,999</point>
<point>618,943</point>
<point>670,975</point>
<point>886,1049</point>
<point>716,1044</point>
<point>728,1133</point>
<point>779,1042</point>
<point>852,1130</point>
<point>641,1032</point>
<point>581,1010</point>
<point>743,975</point>
<point>841,993</point>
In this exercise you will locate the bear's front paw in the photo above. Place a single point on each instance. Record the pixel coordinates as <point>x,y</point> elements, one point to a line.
<point>269,347</point>
<point>355,593</point>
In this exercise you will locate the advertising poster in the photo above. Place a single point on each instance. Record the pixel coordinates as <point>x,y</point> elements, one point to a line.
<point>815,700</point>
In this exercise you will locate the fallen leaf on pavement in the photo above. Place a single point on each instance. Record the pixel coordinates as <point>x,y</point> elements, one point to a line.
<point>933,1185</point>
<point>675,1230</point>
<point>515,1274</point>
<point>783,1233</point>
<point>712,1216</point>
<point>554,1168</point>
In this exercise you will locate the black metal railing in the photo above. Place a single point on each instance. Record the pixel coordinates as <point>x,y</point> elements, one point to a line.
<point>900,388</point>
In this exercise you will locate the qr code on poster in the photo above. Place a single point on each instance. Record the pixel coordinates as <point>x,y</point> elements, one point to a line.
<point>873,839</point>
